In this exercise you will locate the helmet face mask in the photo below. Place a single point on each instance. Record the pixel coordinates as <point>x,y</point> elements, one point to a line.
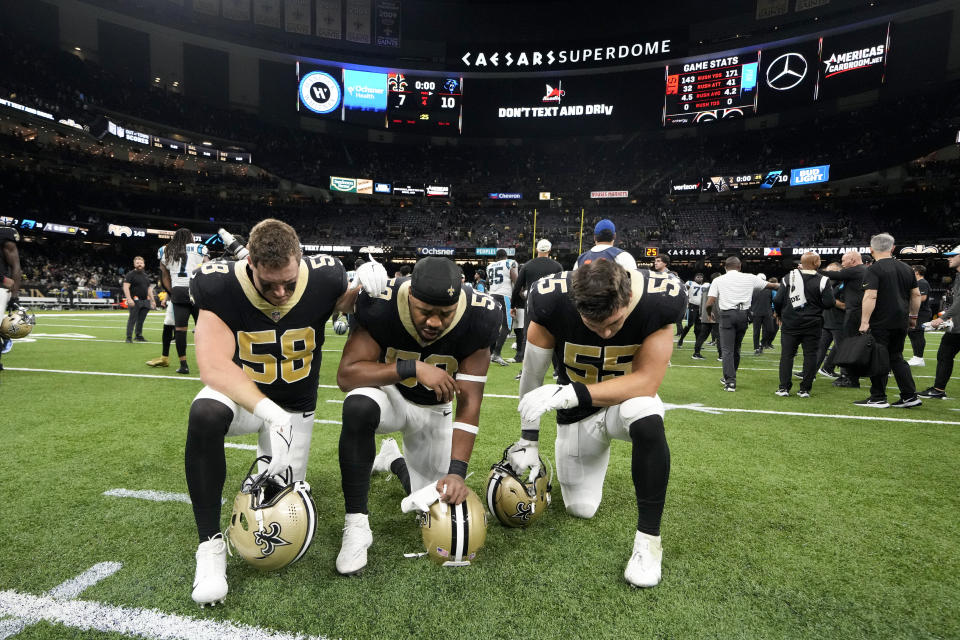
<point>452,534</point>
<point>273,520</point>
<point>18,324</point>
<point>512,501</point>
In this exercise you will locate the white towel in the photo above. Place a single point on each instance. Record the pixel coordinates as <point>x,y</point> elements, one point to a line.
<point>798,298</point>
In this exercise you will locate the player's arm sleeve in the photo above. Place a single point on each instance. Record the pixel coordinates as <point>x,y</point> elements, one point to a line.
<point>871,280</point>
<point>537,356</point>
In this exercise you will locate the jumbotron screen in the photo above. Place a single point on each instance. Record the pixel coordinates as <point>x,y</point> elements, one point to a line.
<point>711,89</point>
<point>370,97</point>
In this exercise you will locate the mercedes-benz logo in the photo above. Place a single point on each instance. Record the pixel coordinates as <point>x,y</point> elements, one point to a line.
<point>786,71</point>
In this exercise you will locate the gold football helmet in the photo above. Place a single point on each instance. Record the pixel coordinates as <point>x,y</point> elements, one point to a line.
<point>273,520</point>
<point>453,534</point>
<point>516,503</point>
<point>17,324</point>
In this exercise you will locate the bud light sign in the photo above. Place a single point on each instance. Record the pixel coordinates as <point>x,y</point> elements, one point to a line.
<point>809,175</point>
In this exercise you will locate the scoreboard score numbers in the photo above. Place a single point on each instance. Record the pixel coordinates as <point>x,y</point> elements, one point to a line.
<point>711,89</point>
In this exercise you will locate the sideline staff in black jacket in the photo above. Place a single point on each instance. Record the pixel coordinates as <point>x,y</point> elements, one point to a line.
<point>799,304</point>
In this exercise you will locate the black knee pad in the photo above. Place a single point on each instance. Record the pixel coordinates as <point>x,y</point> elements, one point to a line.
<point>647,430</point>
<point>208,417</point>
<point>361,414</point>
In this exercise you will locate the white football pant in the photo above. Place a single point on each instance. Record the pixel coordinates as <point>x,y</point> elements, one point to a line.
<point>583,451</point>
<point>427,432</point>
<point>245,422</point>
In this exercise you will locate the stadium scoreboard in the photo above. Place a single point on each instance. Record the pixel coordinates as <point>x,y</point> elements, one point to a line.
<point>711,89</point>
<point>423,103</point>
<point>391,100</point>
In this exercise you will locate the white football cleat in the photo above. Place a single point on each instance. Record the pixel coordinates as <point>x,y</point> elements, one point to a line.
<point>916,361</point>
<point>389,451</point>
<point>210,580</point>
<point>357,538</point>
<point>643,569</point>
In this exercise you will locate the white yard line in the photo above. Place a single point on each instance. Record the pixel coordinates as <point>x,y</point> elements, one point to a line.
<point>68,590</point>
<point>237,445</point>
<point>102,373</point>
<point>513,397</point>
<point>88,615</point>
<point>149,494</point>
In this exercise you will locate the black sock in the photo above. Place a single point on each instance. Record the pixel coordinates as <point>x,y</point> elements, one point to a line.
<point>205,462</point>
<point>650,467</point>
<point>181,340</point>
<point>358,448</point>
<point>399,468</point>
<point>166,339</point>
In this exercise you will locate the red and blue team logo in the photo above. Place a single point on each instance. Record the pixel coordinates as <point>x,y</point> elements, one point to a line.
<point>554,95</point>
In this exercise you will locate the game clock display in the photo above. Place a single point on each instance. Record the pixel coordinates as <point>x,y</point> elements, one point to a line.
<point>425,103</point>
<point>711,89</point>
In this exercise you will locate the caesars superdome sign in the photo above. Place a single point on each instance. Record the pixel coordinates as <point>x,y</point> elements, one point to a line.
<point>550,56</point>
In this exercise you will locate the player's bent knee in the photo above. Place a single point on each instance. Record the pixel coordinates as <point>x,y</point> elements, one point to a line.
<point>640,407</point>
<point>647,429</point>
<point>582,510</point>
<point>361,413</point>
<point>209,417</point>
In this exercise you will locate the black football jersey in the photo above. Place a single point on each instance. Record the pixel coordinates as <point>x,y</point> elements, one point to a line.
<point>657,300</point>
<point>277,347</point>
<point>7,234</point>
<point>475,326</point>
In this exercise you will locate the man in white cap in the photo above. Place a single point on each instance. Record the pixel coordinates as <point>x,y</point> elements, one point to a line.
<point>540,267</point>
<point>950,344</point>
<point>605,234</point>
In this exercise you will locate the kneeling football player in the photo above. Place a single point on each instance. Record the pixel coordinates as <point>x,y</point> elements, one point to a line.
<point>613,330</point>
<point>424,341</point>
<point>258,340</point>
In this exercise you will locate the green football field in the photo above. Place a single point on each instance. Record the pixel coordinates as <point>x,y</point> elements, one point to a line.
<point>785,517</point>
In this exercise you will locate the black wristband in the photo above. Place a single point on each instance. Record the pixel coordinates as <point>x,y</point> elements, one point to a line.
<point>458,467</point>
<point>583,394</point>
<point>406,369</point>
<point>530,434</point>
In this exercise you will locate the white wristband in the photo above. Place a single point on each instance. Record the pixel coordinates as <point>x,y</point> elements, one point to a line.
<point>269,411</point>
<point>466,377</point>
<point>469,428</point>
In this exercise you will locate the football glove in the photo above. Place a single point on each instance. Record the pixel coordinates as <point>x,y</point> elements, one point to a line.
<point>522,455</point>
<point>373,277</point>
<point>278,425</point>
<point>546,398</point>
<point>421,499</point>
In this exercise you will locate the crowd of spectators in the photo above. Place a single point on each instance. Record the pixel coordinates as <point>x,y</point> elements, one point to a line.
<point>67,177</point>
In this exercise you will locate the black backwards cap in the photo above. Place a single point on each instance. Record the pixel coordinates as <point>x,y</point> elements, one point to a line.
<point>436,281</point>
